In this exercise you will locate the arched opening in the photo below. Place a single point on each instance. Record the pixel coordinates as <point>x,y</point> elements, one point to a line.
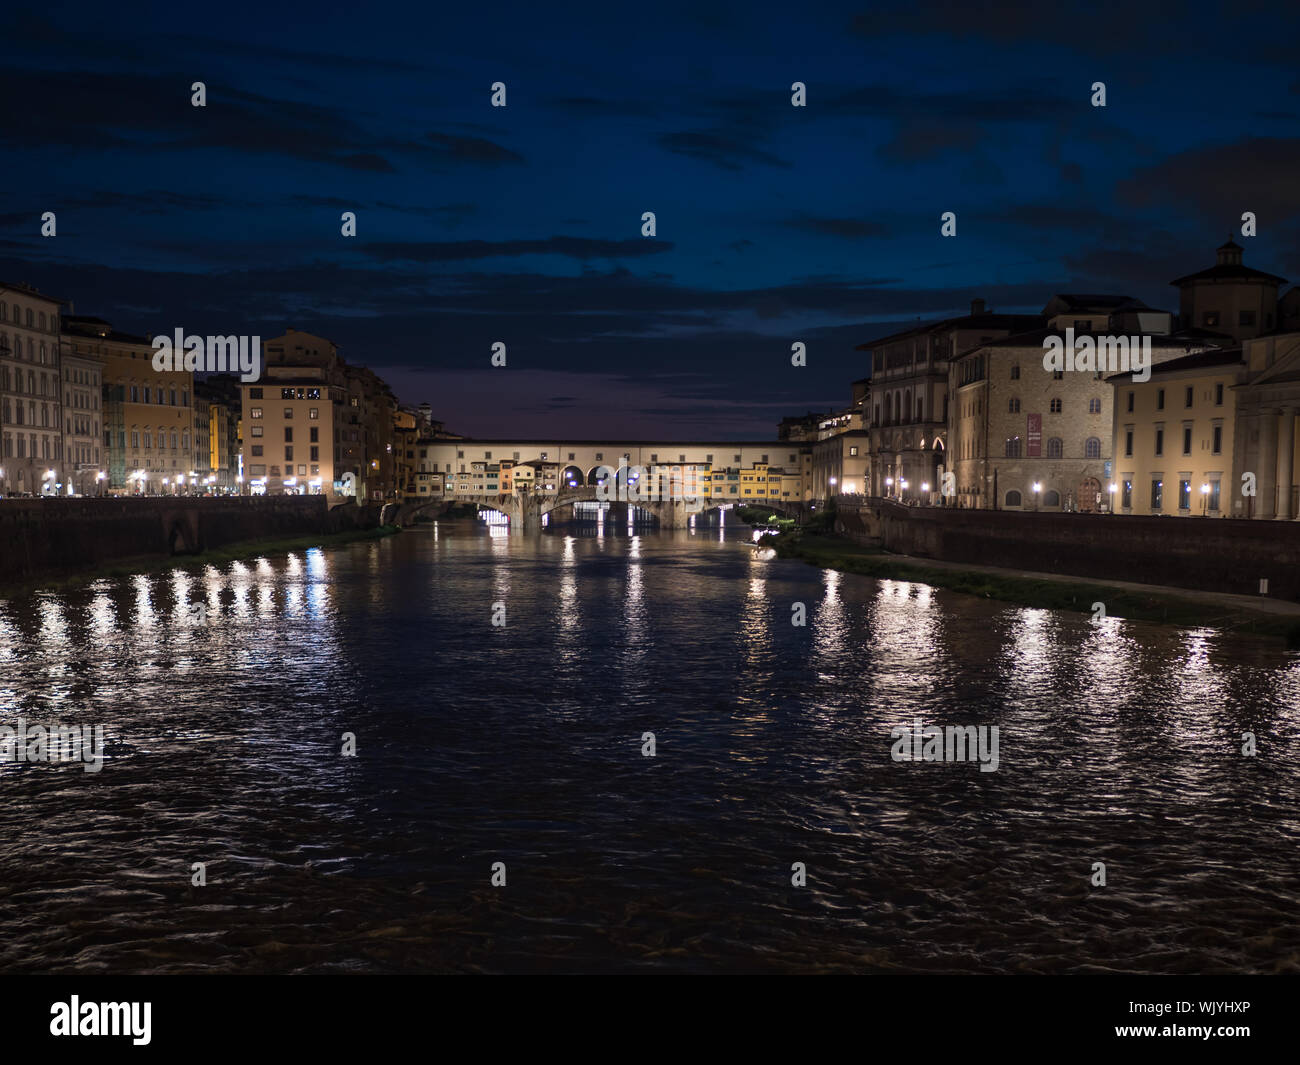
<point>597,475</point>
<point>1052,498</point>
<point>1013,498</point>
<point>571,477</point>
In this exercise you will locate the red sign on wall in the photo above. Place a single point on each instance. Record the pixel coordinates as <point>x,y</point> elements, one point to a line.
<point>1034,437</point>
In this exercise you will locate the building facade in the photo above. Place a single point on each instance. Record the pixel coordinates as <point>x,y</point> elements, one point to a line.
<point>83,436</point>
<point>31,429</point>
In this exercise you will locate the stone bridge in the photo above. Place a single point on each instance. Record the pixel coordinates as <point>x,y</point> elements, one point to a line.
<point>525,510</point>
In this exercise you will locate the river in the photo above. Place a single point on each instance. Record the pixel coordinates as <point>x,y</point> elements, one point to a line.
<point>522,743</point>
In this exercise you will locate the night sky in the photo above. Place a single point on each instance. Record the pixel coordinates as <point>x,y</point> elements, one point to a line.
<point>775,223</point>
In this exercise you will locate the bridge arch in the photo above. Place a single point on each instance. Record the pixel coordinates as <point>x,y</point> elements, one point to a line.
<point>571,477</point>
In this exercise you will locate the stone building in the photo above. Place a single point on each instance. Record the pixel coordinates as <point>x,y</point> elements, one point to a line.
<point>31,429</point>
<point>1229,297</point>
<point>908,416</point>
<point>1024,437</point>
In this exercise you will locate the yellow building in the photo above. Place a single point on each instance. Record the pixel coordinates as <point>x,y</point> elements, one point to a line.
<point>1175,436</point>
<point>148,415</point>
<point>289,425</point>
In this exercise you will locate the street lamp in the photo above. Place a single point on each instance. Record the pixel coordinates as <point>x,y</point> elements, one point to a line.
<point>1205,498</point>
<point>1037,488</point>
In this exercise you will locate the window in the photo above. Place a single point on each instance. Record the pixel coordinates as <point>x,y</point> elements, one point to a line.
<point>257,450</point>
<point>1160,441</point>
<point>256,430</point>
<point>1210,318</point>
<point>1214,493</point>
<point>288,434</point>
<point>1052,498</point>
<point>288,413</point>
<point>315,454</point>
<point>1187,396</point>
<point>1055,447</point>
<point>288,454</point>
<point>1013,498</point>
<point>1187,439</point>
<point>313,413</point>
<point>1092,447</point>
<point>1160,399</point>
<point>853,451</point>
<point>1094,406</point>
<point>1130,402</point>
<point>1015,372</point>
<point>1013,405</point>
<point>1157,493</point>
<point>315,438</point>
<point>1218,394</point>
<point>1126,498</point>
<point>1184,492</point>
<point>257,412</point>
<point>1013,447</point>
<point>1058,375</point>
<point>1217,446</point>
<point>1055,407</point>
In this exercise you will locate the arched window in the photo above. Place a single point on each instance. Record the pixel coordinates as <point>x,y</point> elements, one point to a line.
<point>1013,498</point>
<point>1013,447</point>
<point>1092,448</point>
<point>1055,447</point>
<point>1052,499</point>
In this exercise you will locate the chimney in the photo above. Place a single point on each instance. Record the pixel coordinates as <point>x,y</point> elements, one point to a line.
<point>976,307</point>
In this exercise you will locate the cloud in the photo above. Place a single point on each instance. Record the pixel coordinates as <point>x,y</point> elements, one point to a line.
<point>1259,174</point>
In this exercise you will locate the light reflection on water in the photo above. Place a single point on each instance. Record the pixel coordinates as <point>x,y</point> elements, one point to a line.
<point>1120,743</point>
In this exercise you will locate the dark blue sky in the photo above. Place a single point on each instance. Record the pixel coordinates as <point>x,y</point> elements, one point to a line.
<point>522,224</point>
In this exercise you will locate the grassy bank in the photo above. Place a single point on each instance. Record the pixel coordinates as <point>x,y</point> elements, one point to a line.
<point>835,552</point>
<point>237,552</point>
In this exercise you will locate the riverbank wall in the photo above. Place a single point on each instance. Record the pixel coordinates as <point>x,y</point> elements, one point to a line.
<point>1208,554</point>
<point>50,537</point>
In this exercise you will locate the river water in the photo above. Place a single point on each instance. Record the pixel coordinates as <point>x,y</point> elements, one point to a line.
<point>522,743</point>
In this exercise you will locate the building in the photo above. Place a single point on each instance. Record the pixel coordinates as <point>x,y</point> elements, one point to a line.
<point>223,395</point>
<point>148,415</point>
<point>85,467</point>
<point>1229,298</point>
<point>1264,441</point>
<point>1023,437</point>
<point>32,460</point>
<point>908,415</point>
<point>289,418</point>
<point>1174,435</point>
<point>364,442</point>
